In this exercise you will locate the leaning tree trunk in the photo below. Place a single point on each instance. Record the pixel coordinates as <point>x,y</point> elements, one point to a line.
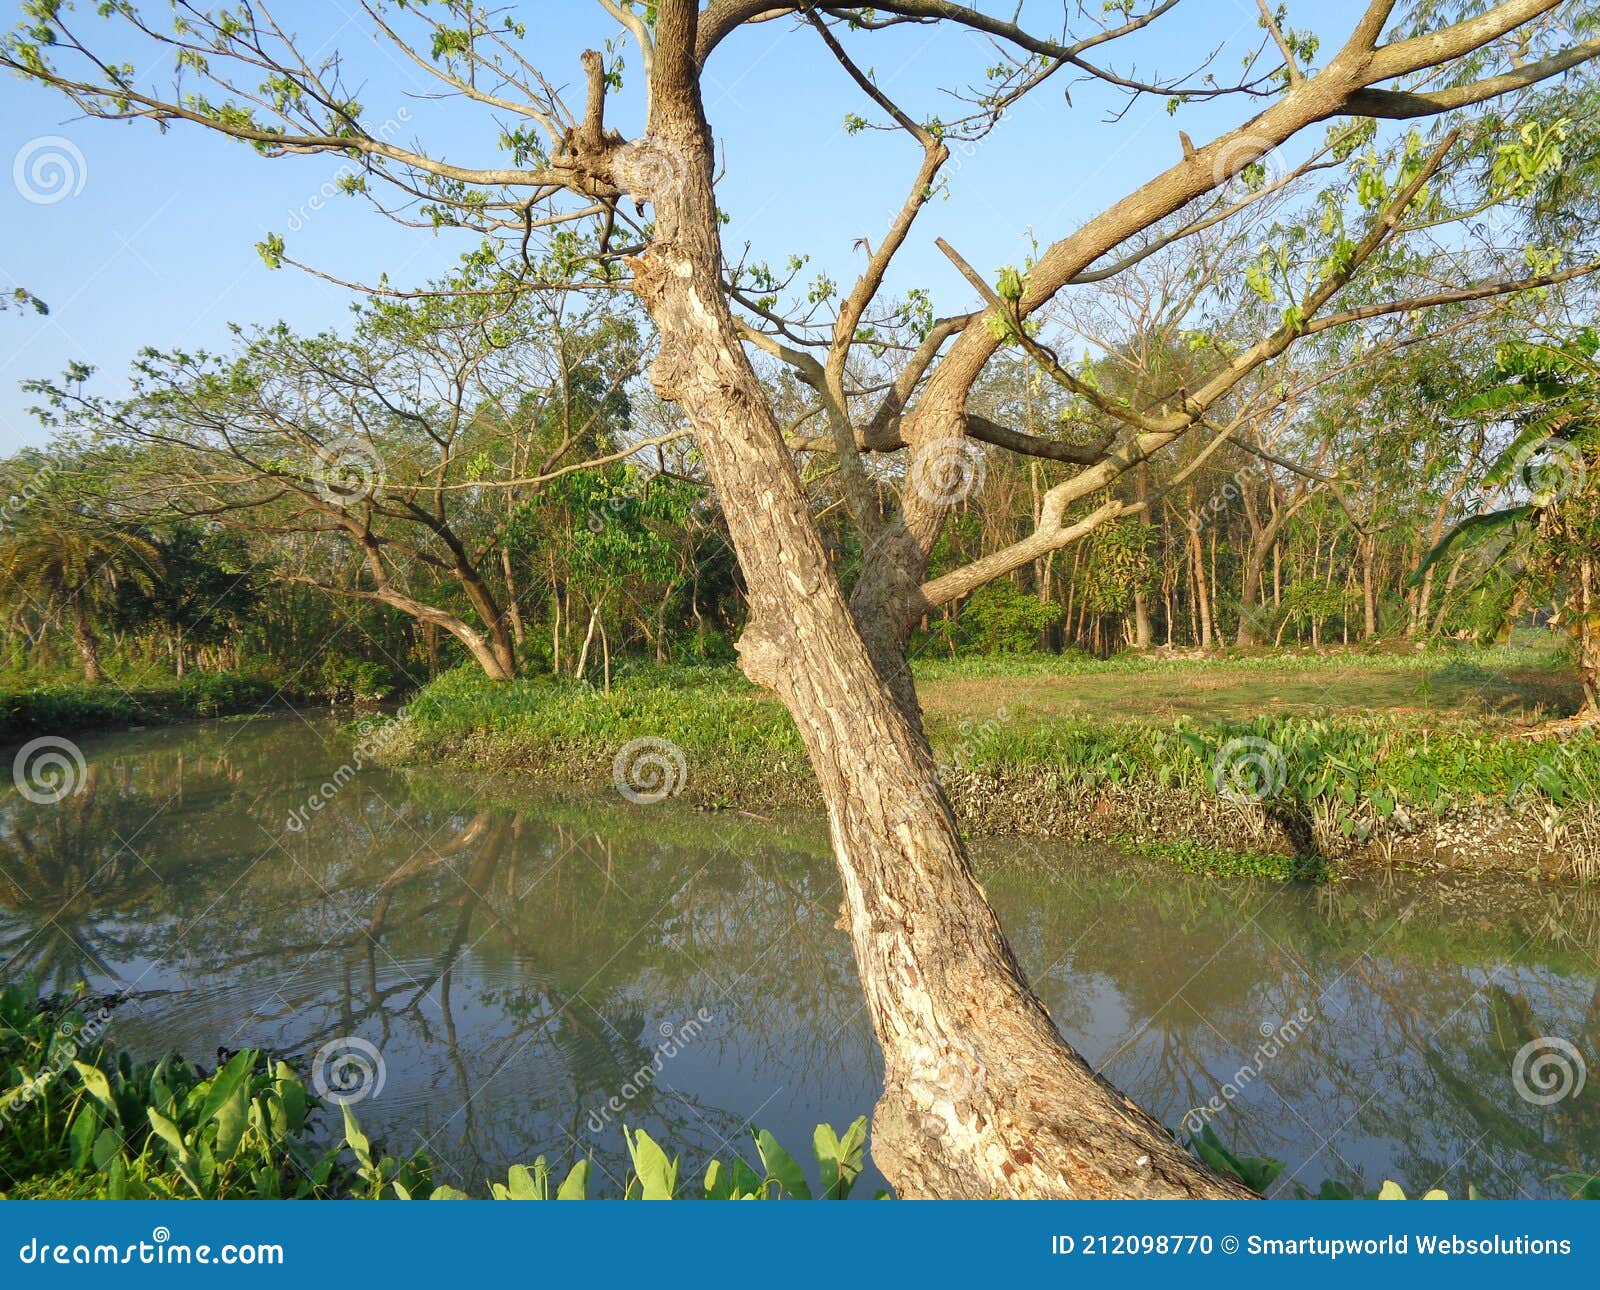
<point>982,1097</point>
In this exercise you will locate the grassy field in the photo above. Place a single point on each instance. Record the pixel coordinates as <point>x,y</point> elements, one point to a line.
<point>1365,752</point>
<point>1506,685</point>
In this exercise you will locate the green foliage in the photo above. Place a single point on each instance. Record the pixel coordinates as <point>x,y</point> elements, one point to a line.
<point>999,618</point>
<point>79,1121</point>
<point>83,1122</point>
<point>1254,1172</point>
<point>32,708</point>
<point>342,679</point>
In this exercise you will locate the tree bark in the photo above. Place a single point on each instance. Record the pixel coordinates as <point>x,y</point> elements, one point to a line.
<point>1588,637</point>
<point>982,1097</point>
<point>88,645</point>
<point>1143,633</point>
<point>1197,558</point>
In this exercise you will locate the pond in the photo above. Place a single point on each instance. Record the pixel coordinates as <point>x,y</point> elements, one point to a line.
<point>529,971</point>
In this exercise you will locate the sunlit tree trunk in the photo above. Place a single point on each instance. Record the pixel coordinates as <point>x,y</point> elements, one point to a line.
<point>982,1097</point>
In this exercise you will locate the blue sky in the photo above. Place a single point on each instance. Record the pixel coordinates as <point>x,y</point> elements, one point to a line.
<point>155,242</point>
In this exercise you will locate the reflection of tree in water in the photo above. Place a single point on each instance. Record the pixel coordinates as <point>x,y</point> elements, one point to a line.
<point>516,968</point>
<point>1419,1001</point>
<point>79,877</point>
<point>580,945</point>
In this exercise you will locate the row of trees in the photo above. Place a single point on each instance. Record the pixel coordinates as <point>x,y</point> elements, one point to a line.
<point>410,486</point>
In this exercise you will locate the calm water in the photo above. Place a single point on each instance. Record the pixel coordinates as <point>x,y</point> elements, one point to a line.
<point>518,968</point>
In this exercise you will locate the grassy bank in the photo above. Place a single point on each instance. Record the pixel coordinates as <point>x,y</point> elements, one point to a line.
<point>1416,757</point>
<point>31,707</point>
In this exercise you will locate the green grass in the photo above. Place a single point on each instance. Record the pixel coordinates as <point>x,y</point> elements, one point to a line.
<point>1500,686</point>
<point>30,707</point>
<point>1085,745</point>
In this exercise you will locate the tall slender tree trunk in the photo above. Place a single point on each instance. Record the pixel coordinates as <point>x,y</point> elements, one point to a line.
<point>982,1096</point>
<point>513,598</point>
<point>1143,633</point>
<point>1588,636</point>
<point>1202,594</point>
<point>88,644</point>
<point>1369,588</point>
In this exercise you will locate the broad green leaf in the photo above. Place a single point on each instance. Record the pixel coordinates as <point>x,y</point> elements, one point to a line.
<point>232,1117</point>
<point>576,1184</point>
<point>658,1176</point>
<point>521,1185</point>
<point>81,1136</point>
<point>168,1132</point>
<point>107,1147</point>
<point>223,1083</point>
<point>780,1165</point>
<point>97,1086</point>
